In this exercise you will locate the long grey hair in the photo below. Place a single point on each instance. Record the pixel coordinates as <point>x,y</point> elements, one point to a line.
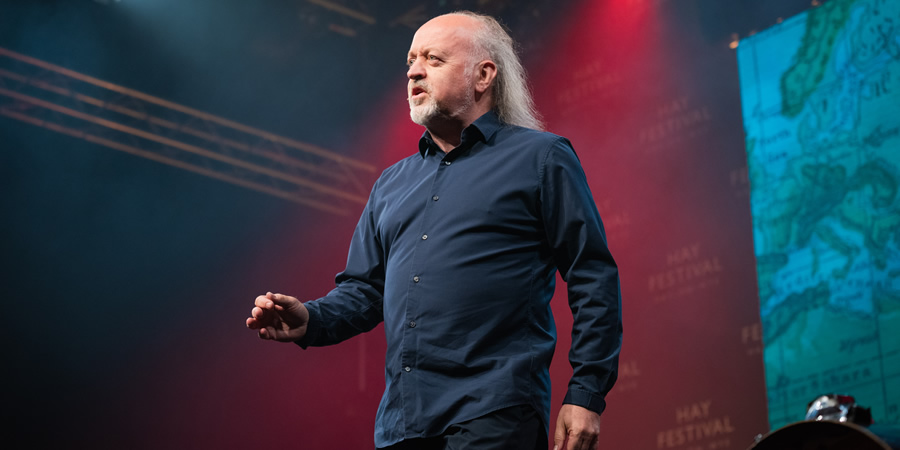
<point>512,99</point>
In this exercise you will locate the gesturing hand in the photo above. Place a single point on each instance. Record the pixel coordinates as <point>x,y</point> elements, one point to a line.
<point>578,428</point>
<point>279,317</point>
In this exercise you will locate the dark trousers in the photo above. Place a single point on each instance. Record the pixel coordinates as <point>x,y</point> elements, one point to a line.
<point>514,428</point>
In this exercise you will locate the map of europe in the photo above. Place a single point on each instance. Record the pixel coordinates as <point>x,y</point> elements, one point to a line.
<point>821,106</point>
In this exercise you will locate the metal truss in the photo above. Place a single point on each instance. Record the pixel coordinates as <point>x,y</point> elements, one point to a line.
<point>84,107</point>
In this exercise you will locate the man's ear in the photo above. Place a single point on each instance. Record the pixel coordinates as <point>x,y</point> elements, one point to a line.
<point>486,71</point>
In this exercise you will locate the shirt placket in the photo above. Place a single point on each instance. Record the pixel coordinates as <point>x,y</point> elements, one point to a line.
<point>417,278</point>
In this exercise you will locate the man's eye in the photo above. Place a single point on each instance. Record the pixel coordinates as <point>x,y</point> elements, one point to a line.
<point>432,58</point>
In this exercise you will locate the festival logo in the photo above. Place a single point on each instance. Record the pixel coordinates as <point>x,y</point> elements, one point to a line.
<point>616,222</point>
<point>675,121</point>
<point>587,88</point>
<point>697,426</point>
<point>688,271</point>
<point>751,338</point>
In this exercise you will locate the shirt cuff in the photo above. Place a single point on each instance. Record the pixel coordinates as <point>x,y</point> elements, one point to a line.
<point>585,399</point>
<point>313,327</point>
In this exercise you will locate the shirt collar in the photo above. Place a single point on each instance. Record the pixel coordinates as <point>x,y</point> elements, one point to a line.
<point>482,129</point>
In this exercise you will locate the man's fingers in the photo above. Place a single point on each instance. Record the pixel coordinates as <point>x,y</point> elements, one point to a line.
<point>579,426</point>
<point>559,437</point>
<point>578,442</point>
<point>275,302</point>
<point>571,443</point>
<point>582,440</point>
<point>278,317</point>
<point>267,333</point>
<point>263,301</point>
<point>281,301</point>
<point>258,317</point>
<point>270,332</point>
<point>263,313</point>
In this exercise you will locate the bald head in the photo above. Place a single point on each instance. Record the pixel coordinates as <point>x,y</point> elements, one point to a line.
<point>458,28</point>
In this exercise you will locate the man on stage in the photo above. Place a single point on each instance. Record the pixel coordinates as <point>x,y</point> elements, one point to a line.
<point>457,252</point>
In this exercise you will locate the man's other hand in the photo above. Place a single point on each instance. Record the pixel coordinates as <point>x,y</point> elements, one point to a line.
<point>577,428</point>
<point>278,317</point>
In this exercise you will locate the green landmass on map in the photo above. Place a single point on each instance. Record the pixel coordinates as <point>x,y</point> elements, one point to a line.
<point>802,78</point>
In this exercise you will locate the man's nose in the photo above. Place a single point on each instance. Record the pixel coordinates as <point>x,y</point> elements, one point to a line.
<point>416,71</point>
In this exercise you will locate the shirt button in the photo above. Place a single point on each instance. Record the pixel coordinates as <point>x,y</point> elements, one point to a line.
<point>412,323</point>
<point>435,198</point>
<point>416,279</point>
<point>407,368</point>
<point>446,163</point>
<point>424,236</point>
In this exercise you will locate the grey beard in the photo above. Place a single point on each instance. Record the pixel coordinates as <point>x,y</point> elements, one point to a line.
<point>422,114</point>
<point>425,113</point>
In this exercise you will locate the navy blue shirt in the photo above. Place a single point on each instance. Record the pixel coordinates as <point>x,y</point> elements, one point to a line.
<point>457,253</point>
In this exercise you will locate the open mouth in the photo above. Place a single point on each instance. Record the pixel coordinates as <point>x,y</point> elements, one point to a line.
<point>416,91</point>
